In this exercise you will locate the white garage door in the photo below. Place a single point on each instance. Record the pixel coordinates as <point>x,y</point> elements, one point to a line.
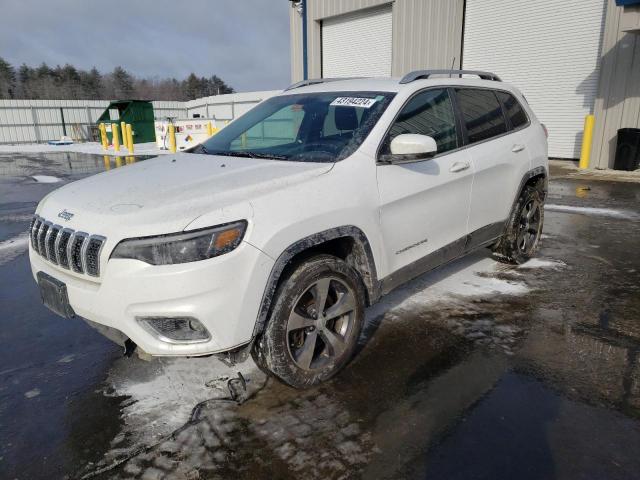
<point>547,48</point>
<point>357,44</point>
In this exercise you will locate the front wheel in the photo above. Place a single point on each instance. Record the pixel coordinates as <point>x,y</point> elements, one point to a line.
<point>524,229</point>
<point>315,323</point>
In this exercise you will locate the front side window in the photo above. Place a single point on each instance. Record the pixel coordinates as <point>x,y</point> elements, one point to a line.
<point>307,127</point>
<point>428,113</point>
<point>513,109</point>
<point>481,113</point>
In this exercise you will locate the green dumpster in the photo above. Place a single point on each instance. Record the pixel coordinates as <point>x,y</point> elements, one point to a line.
<point>138,113</point>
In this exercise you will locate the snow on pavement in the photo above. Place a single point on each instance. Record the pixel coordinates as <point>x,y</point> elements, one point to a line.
<point>602,212</point>
<point>163,399</point>
<point>13,247</point>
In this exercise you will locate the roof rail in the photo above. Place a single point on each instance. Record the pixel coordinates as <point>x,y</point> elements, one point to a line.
<point>423,74</point>
<point>314,81</point>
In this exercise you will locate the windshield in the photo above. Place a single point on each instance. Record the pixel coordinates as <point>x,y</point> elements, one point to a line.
<point>309,127</point>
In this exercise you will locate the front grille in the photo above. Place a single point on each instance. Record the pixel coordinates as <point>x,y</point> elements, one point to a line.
<point>73,250</point>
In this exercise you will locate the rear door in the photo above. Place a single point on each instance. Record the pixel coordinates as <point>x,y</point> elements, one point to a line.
<point>424,206</point>
<point>499,156</point>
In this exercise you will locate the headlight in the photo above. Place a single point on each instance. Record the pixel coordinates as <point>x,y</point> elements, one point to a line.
<point>183,247</point>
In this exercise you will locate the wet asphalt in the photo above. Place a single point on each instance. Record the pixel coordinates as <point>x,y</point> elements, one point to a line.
<point>539,385</point>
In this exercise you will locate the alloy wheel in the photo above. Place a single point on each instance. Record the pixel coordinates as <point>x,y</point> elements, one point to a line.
<point>530,225</point>
<point>321,323</point>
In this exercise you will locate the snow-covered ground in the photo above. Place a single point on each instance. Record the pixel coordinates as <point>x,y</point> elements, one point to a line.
<point>172,387</point>
<point>95,148</point>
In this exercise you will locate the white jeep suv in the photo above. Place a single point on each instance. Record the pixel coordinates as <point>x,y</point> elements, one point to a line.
<point>272,236</point>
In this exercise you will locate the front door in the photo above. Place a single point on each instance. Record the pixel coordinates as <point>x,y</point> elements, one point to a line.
<point>424,206</point>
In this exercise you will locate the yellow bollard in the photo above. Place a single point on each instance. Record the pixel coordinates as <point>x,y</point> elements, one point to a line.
<point>130,159</point>
<point>123,134</point>
<point>107,162</point>
<point>172,138</point>
<point>209,129</point>
<point>587,140</point>
<point>243,140</point>
<point>130,137</point>
<point>118,162</point>
<point>103,136</point>
<point>115,136</point>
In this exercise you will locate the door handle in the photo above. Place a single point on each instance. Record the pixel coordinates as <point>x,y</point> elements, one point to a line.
<point>459,167</point>
<point>517,148</point>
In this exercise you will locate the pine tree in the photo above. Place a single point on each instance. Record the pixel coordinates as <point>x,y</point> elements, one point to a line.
<point>122,83</point>
<point>91,84</point>
<point>25,74</point>
<point>7,79</point>
<point>68,82</point>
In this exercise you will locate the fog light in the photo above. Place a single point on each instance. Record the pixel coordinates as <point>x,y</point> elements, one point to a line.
<point>176,329</point>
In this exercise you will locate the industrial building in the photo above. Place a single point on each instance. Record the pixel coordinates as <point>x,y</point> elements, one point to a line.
<point>569,58</point>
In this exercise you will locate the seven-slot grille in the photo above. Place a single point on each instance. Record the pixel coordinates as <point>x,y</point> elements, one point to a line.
<point>77,251</point>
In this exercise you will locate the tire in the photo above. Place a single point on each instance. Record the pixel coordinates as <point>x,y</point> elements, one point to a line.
<point>521,238</point>
<point>299,349</point>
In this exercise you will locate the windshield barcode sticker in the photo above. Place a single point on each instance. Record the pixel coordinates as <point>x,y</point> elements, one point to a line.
<point>353,102</point>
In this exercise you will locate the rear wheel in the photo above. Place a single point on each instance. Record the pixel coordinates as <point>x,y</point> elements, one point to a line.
<point>522,236</point>
<point>315,323</point>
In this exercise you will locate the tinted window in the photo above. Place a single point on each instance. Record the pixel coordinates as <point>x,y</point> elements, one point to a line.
<point>481,113</point>
<point>513,109</point>
<point>428,113</point>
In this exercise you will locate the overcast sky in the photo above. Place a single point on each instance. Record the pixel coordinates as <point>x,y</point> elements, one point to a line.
<point>245,42</point>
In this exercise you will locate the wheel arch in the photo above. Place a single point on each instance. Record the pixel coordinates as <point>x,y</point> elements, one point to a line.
<point>532,177</point>
<point>346,242</point>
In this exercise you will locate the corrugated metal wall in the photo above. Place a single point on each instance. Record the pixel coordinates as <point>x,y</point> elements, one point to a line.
<point>618,101</point>
<point>426,33</point>
<point>227,107</point>
<point>549,50</point>
<point>31,121</point>
<point>369,36</point>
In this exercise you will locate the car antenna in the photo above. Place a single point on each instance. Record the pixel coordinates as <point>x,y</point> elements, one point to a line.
<point>453,61</point>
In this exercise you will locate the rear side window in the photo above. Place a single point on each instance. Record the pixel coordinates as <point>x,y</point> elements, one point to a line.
<point>481,113</point>
<point>428,113</point>
<point>513,109</point>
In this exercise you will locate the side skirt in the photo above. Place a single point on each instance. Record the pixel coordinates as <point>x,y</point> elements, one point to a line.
<point>480,238</point>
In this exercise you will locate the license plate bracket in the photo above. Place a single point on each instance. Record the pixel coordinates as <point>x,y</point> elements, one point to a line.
<point>54,295</point>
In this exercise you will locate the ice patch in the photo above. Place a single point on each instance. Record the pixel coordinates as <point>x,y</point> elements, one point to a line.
<point>543,263</point>
<point>45,179</point>
<point>32,393</point>
<point>601,212</point>
<point>13,247</point>
<point>67,359</point>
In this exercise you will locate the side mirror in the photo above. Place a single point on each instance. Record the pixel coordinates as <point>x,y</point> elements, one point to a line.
<point>410,147</point>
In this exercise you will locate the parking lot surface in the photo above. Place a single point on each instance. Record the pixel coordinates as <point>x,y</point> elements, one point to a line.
<point>475,370</point>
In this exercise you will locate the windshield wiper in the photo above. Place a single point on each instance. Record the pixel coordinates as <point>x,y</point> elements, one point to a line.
<point>269,156</point>
<point>227,153</point>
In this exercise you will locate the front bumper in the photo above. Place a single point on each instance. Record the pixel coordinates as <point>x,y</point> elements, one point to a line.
<point>223,293</point>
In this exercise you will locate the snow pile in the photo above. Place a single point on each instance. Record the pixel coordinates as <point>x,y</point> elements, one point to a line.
<point>45,179</point>
<point>543,263</point>
<point>164,399</point>
<point>472,276</point>
<point>13,247</point>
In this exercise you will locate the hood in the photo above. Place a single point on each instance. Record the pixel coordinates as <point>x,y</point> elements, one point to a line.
<point>165,194</point>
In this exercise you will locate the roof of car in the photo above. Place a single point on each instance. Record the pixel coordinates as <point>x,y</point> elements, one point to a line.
<point>389,84</point>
